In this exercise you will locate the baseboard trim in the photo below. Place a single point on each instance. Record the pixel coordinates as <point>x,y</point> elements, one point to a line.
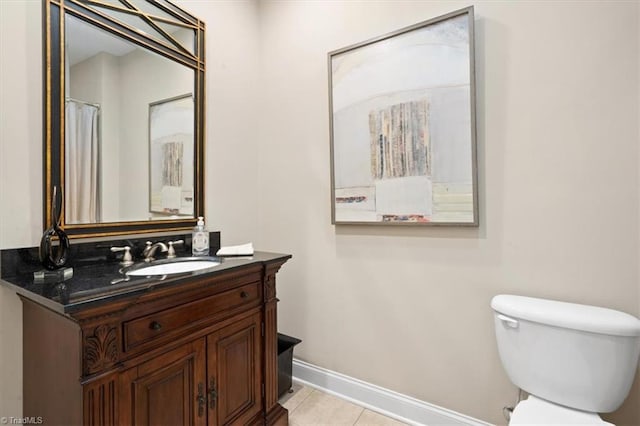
<point>389,403</point>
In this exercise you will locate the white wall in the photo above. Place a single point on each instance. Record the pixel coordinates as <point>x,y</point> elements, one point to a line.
<point>408,309</point>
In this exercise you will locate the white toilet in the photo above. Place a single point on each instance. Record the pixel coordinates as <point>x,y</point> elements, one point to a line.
<point>574,360</point>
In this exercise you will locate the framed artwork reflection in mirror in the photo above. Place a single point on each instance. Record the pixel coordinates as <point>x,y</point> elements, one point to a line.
<point>170,143</point>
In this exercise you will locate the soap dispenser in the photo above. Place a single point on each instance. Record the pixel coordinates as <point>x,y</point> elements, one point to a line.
<point>200,239</point>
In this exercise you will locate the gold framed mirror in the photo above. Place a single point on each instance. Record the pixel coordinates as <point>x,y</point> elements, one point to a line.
<point>124,116</point>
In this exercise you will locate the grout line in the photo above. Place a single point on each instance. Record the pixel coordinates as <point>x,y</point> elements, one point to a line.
<point>303,400</point>
<point>361,413</point>
<point>325,393</point>
<point>362,409</point>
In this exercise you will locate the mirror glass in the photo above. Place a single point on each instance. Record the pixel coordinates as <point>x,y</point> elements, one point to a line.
<point>124,116</point>
<point>154,23</point>
<point>129,129</point>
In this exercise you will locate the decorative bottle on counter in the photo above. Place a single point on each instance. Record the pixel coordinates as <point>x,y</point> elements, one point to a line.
<point>200,239</point>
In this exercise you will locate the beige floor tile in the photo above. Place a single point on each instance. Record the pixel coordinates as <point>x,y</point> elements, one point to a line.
<point>369,417</point>
<point>290,401</point>
<point>321,409</point>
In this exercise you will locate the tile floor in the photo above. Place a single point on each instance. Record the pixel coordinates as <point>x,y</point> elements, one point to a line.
<point>311,407</point>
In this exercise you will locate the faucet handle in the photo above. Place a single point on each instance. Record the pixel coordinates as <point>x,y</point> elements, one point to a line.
<point>127,260</point>
<point>172,252</point>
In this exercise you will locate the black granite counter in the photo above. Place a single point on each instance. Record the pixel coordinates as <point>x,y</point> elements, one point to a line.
<point>100,280</point>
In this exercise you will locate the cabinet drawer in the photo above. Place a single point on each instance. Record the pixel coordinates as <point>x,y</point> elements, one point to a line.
<point>152,326</point>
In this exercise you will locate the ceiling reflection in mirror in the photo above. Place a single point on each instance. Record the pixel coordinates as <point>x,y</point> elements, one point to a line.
<point>113,87</point>
<point>124,107</point>
<point>150,19</point>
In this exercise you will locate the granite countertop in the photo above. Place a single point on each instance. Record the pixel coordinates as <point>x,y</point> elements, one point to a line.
<point>97,282</point>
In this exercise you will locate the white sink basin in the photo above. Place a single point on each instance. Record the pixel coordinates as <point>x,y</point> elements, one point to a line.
<point>177,266</point>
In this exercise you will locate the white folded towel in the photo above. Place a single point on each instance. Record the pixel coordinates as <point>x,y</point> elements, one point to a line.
<point>241,250</point>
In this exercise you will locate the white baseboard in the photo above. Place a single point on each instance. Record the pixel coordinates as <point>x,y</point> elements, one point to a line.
<point>389,403</point>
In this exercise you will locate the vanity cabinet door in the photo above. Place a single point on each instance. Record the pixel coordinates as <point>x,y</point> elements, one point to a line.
<point>167,390</point>
<point>235,373</point>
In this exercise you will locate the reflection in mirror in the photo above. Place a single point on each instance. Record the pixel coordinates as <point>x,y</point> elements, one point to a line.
<point>112,89</point>
<point>171,142</point>
<point>124,116</point>
<point>152,20</point>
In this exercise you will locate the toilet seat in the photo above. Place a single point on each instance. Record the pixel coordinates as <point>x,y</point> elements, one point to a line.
<point>536,411</point>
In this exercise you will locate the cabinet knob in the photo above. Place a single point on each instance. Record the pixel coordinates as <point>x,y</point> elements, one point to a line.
<point>155,325</point>
<point>244,294</point>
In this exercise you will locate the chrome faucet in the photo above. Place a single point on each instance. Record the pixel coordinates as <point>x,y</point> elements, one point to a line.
<point>151,248</point>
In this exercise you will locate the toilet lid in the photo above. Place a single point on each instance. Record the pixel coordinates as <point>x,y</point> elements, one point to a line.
<point>536,411</point>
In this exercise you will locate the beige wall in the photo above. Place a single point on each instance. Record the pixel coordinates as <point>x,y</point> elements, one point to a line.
<point>20,172</point>
<point>231,155</point>
<point>169,79</point>
<point>406,309</point>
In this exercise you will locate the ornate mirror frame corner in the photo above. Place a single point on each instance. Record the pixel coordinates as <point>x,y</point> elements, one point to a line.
<point>96,13</point>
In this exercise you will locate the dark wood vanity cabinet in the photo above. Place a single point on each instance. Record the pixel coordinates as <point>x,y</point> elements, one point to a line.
<point>214,380</point>
<point>202,352</point>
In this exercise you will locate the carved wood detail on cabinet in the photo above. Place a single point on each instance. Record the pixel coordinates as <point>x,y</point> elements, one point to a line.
<point>270,287</point>
<point>270,280</point>
<point>100,405</point>
<point>100,348</point>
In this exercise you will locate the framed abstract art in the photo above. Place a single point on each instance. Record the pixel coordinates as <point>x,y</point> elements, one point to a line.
<point>402,115</point>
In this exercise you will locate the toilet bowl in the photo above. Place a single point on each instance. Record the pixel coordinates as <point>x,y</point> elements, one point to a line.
<point>573,360</point>
<point>536,411</point>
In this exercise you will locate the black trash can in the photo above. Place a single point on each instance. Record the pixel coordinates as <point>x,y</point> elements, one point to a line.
<point>285,362</point>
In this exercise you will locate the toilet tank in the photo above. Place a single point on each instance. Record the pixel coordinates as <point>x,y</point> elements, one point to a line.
<point>579,356</point>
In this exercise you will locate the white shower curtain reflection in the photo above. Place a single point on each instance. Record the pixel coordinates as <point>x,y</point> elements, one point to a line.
<point>81,180</point>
